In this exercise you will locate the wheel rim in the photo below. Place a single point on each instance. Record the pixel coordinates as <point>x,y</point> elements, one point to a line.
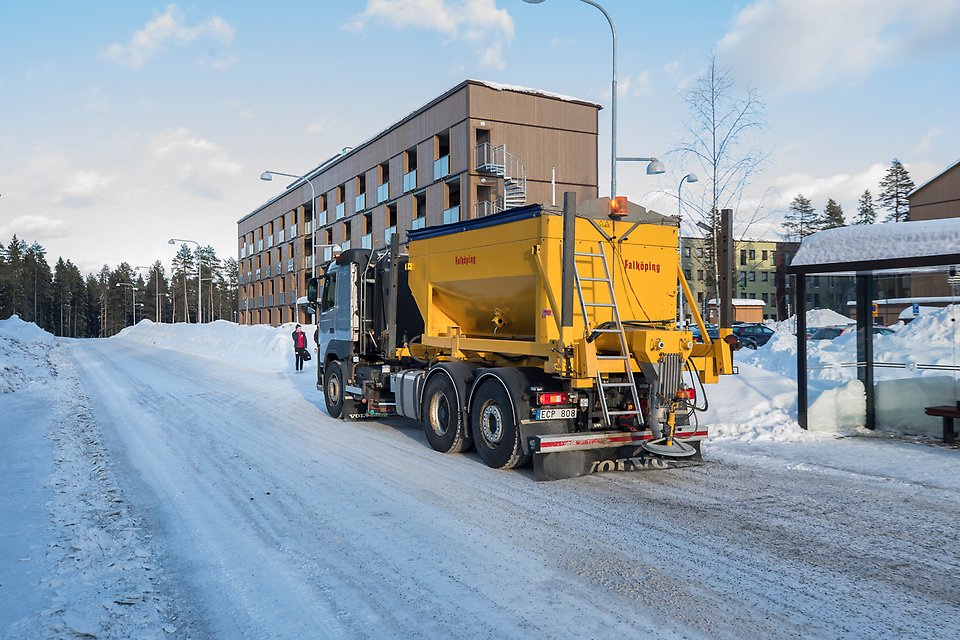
<point>439,414</point>
<point>491,424</point>
<point>333,389</point>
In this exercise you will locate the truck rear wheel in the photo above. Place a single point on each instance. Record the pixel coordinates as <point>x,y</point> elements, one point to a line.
<point>495,429</point>
<point>333,388</point>
<point>442,418</point>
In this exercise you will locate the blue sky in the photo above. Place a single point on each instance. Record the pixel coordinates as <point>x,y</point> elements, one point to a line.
<point>126,123</point>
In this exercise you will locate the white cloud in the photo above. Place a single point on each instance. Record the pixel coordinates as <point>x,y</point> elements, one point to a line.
<point>477,21</point>
<point>35,228</point>
<point>201,166</point>
<point>165,28</point>
<point>317,127</point>
<point>82,188</point>
<point>803,46</point>
<point>926,142</point>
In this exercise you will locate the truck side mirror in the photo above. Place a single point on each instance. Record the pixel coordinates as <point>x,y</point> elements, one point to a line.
<point>313,286</point>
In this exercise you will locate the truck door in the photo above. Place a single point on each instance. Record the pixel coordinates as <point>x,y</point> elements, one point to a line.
<point>338,321</point>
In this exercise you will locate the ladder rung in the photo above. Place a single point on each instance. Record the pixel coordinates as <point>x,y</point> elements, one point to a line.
<point>594,280</point>
<point>599,304</point>
<point>623,413</point>
<point>617,384</point>
<point>590,255</point>
<point>605,331</point>
<point>620,357</point>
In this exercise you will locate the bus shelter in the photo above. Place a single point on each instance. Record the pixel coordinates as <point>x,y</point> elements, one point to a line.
<point>893,377</point>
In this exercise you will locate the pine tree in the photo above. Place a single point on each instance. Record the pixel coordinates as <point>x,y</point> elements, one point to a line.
<point>866,214</point>
<point>893,192</point>
<point>800,220</point>
<point>832,216</point>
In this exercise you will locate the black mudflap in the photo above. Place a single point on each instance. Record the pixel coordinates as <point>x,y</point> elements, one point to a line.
<point>571,464</point>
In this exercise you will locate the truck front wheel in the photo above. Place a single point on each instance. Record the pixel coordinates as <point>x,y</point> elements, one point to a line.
<point>495,429</point>
<point>333,388</point>
<point>442,418</point>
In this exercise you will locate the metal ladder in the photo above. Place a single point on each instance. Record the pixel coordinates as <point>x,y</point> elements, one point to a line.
<point>624,355</point>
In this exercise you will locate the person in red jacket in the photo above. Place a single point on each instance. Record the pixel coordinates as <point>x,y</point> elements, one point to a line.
<point>299,345</point>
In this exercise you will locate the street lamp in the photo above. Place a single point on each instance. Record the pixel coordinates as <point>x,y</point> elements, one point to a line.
<point>268,176</point>
<point>690,178</point>
<point>199,289</point>
<point>133,293</point>
<point>613,97</point>
<point>156,297</point>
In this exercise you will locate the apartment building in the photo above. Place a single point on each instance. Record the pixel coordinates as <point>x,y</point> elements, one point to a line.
<point>475,150</point>
<point>760,273</point>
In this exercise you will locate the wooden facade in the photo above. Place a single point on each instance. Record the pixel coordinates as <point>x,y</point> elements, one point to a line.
<point>554,137</point>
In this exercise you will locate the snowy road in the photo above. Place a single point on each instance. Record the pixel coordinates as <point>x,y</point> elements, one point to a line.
<point>274,521</point>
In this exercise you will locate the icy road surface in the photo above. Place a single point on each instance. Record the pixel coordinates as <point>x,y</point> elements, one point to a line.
<point>272,520</point>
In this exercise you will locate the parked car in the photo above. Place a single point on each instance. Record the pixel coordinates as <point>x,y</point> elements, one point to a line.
<point>712,330</point>
<point>753,334</point>
<point>831,333</point>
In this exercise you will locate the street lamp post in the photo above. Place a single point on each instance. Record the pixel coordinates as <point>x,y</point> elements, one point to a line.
<point>613,98</point>
<point>199,284</point>
<point>156,294</point>
<point>690,178</point>
<point>133,294</point>
<point>268,176</point>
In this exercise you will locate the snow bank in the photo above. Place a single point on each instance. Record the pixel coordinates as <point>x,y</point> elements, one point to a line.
<point>24,354</point>
<point>260,347</point>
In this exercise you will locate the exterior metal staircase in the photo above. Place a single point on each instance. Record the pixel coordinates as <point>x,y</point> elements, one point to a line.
<point>497,161</point>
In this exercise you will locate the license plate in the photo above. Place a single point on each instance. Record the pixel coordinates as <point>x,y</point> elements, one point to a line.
<point>556,414</point>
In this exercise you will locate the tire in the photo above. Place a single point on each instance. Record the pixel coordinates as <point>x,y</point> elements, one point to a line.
<point>333,388</point>
<point>442,418</point>
<point>496,433</point>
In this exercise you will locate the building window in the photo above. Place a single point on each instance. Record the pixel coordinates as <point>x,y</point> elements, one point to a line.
<point>391,223</point>
<point>753,254</point>
<point>366,240</point>
<point>686,252</point>
<point>743,256</point>
<point>753,276</point>
<point>687,273</point>
<point>360,202</point>
<point>763,255</point>
<point>764,277</point>
<point>699,301</point>
<point>441,145</point>
<point>699,252</point>
<point>419,211</point>
<point>410,169</point>
<point>699,279</point>
<point>451,212</point>
<point>340,194</point>
<point>383,187</point>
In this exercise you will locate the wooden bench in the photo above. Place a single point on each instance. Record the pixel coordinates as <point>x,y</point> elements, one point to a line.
<point>949,414</point>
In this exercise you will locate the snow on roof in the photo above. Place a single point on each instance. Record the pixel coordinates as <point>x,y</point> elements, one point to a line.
<point>891,240</point>
<point>499,86</point>
<point>741,302</point>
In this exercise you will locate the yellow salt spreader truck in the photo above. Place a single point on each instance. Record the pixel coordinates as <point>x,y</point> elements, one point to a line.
<point>533,333</point>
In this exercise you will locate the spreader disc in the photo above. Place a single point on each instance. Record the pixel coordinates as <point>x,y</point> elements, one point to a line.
<point>677,450</point>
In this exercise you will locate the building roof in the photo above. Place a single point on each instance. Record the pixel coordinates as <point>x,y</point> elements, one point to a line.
<point>348,151</point>
<point>879,246</point>
<point>741,302</point>
<point>933,179</point>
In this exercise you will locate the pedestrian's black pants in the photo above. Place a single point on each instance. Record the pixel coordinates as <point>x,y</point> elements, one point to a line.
<point>299,360</point>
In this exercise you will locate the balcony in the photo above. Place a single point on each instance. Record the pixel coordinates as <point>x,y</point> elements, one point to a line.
<point>339,211</point>
<point>441,167</point>
<point>269,241</point>
<point>345,245</point>
<point>293,231</point>
<point>269,301</point>
<point>410,181</point>
<point>308,262</point>
<point>280,236</point>
<point>290,265</point>
<point>260,244</point>
<point>360,202</point>
<point>451,215</point>
<point>487,207</point>
<point>419,223</point>
<point>366,241</point>
<point>322,218</point>
<point>383,192</point>
<point>328,254</point>
<point>276,270</point>
<point>388,233</point>
<point>258,277</point>
<point>308,227</point>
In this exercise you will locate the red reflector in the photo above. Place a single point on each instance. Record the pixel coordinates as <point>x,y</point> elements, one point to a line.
<point>553,398</point>
<point>686,393</point>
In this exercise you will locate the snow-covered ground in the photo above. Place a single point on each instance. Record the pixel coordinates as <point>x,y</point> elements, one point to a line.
<point>182,482</point>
